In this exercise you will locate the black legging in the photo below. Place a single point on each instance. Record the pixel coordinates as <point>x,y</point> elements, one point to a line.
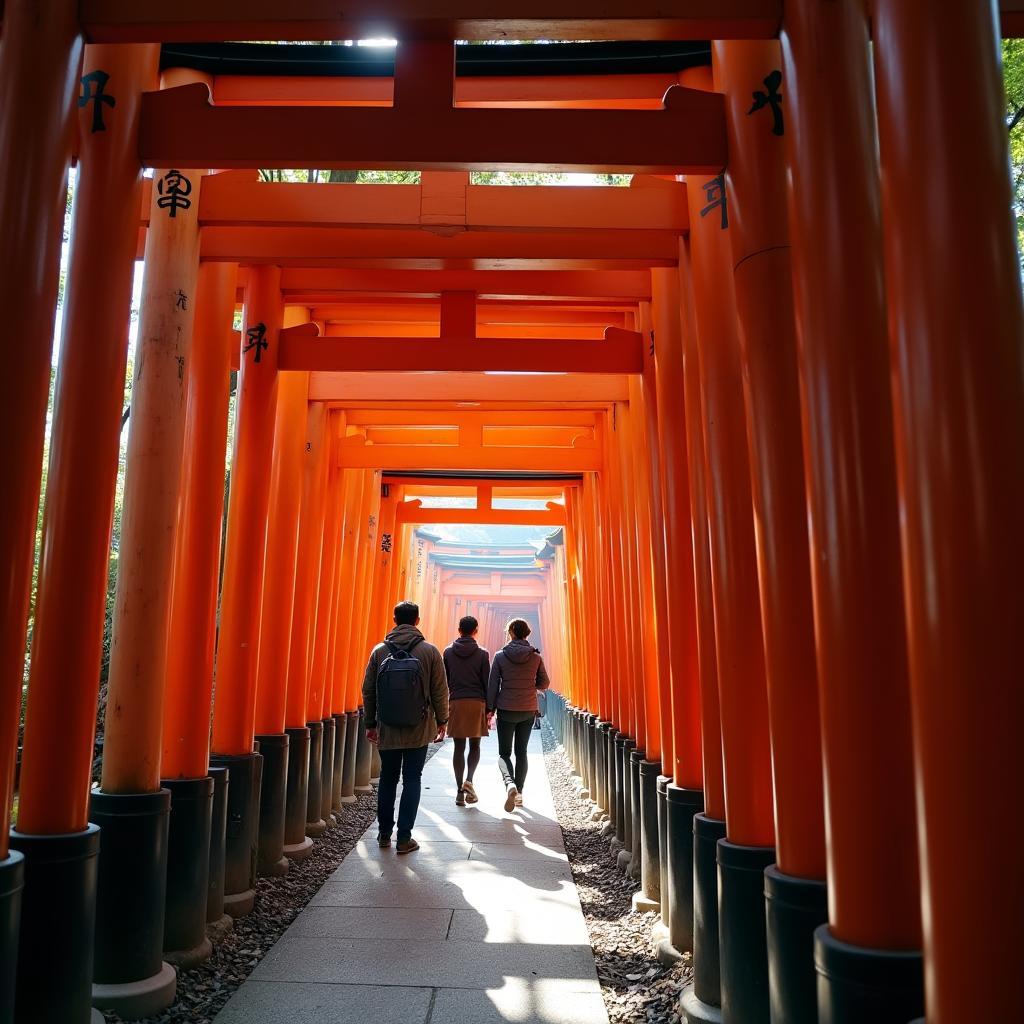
<point>514,728</point>
<point>459,759</point>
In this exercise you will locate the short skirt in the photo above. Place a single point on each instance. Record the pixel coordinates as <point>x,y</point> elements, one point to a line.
<point>467,719</point>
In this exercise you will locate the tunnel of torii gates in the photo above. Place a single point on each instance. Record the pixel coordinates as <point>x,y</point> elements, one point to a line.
<point>774,390</point>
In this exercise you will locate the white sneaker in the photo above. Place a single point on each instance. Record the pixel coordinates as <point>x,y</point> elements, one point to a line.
<point>512,797</point>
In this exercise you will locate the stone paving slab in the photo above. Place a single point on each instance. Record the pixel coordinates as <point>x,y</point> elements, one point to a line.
<point>482,925</point>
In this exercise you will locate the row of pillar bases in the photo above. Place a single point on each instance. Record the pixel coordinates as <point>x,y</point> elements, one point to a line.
<point>760,942</point>
<point>105,917</point>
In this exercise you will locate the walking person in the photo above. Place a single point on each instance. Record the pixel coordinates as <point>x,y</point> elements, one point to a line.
<point>466,664</point>
<point>517,673</point>
<point>405,697</point>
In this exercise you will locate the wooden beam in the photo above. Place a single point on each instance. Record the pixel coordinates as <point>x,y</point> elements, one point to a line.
<point>414,512</point>
<point>219,20</point>
<point>592,390</point>
<point>478,459</point>
<point>180,127</point>
<point>301,348</point>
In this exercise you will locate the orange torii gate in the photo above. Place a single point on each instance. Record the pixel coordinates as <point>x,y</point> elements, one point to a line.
<point>797,474</point>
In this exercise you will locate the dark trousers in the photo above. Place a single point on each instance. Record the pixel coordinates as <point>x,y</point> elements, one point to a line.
<point>514,728</point>
<point>409,765</point>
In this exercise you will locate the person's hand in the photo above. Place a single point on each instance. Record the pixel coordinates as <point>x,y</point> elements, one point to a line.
<point>490,719</point>
<point>373,736</point>
<point>442,732</point>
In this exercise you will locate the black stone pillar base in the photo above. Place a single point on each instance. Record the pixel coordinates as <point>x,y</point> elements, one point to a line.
<point>188,871</point>
<point>666,910</point>
<point>794,908</point>
<point>270,858</point>
<point>340,729</point>
<point>856,985</point>
<point>631,780</point>
<point>242,829</point>
<point>611,758</point>
<point>12,881</point>
<point>696,1011</point>
<point>620,794</point>
<point>58,922</point>
<point>327,770</point>
<point>218,830</point>
<point>362,757</point>
<point>315,825</point>
<point>741,935</point>
<point>650,853</point>
<point>129,972</point>
<point>707,984</point>
<point>599,793</point>
<point>297,845</point>
<point>348,776</point>
<point>681,805</point>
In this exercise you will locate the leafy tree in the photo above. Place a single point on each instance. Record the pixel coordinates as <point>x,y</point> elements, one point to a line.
<point>1013,80</point>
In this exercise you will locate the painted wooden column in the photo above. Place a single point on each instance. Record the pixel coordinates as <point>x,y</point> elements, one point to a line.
<point>749,843</point>
<point>55,971</point>
<point>234,704</point>
<point>185,760</point>
<point>868,964</point>
<point>956,341</point>
<point>756,187</point>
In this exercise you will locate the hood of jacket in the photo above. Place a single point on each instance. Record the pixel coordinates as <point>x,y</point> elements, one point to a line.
<point>465,646</point>
<point>519,652</point>
<point>404,636</point>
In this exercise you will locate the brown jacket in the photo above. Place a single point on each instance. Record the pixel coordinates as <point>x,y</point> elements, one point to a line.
<point>429,657</point>
<point>517,673</point>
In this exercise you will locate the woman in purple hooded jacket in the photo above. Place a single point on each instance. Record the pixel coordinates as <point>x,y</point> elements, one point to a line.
<point>466,665</point>
<point>517,673</point>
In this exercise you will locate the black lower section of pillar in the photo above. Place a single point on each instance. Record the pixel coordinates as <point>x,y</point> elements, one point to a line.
<point>794,908</point>
<point>650,852</point>
<point>680,806</point>
<point>132,886</point>
<point>188,868</point>
<point>242,830</point>
<point>270,858</point>
<point>857,985</point>
<point>348,777</point>
<point>600,791</point>
<point>218,836</point>
<point>591,777</point>
<point>58,926</point>
<point>12,881</point>
<point>620,795</point>
<point>636,758</point>
<point>315,825</point>
<point>340,729</point>
<point>296,797</point>
<point>662,790</point>
<point>741,935</point>
<point>707,984</point>
<point>327,769</point>
<point>630,804</point>
<point>610,758</point>
<point>362,757</point>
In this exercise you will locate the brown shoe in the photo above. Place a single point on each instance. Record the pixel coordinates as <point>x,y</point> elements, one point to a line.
<point>383,841</point>
<point>407,846</point>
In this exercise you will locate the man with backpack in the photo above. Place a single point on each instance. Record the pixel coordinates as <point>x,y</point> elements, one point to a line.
<point>405,695</point>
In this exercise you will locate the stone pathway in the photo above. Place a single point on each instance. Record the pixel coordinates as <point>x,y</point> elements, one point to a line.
<point>482,925</point>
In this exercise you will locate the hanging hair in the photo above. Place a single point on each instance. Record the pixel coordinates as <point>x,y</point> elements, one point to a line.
<point>518,629</point>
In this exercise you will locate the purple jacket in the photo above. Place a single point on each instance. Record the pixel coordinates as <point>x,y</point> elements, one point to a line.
<point>466,665</point>
<point>517,673</point>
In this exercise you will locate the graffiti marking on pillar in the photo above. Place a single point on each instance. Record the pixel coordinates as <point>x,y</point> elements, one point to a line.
<point>385,543</point>
<point>98,98</point>
<point>652,333</point>
<point>181,300</point>
<point>174,189</point>
<point>714,193</point>
<point>770,97</point>
<point>256,338</point>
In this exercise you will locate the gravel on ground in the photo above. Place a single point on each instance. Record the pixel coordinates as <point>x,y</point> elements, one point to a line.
<point>637,989</point>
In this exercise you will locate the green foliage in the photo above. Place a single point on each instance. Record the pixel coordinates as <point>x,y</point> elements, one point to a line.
<point>333,177</point>
<point>1013,81</point>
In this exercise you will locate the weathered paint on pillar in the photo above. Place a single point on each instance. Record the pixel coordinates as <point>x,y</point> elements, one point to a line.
<point>234,704</point>
<point>84,441</point>
<point>40,54</point>
<point>188,693</point>
<point>152,489</point>
<point>955,317</point>
<point>759,231</point>
<point>851,478</point>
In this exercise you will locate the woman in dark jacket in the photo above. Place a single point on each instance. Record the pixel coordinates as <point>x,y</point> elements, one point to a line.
<point>466,665</point>
<point>517,673</point>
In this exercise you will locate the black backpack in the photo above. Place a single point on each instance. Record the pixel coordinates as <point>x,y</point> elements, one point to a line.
<point>401,697</point>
